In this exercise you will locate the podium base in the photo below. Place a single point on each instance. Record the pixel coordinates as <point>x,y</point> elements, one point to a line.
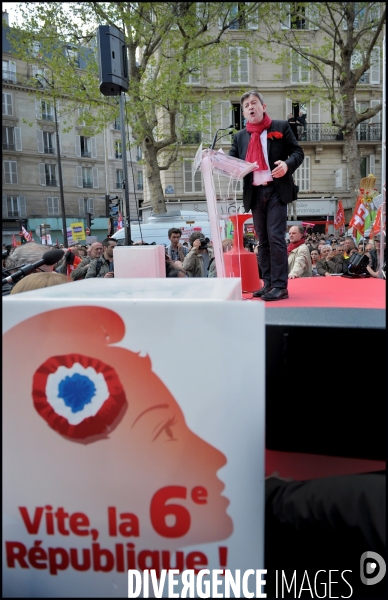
<point>243,264</point>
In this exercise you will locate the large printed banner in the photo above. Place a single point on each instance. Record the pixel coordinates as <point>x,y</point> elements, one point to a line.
<point>121,452</point>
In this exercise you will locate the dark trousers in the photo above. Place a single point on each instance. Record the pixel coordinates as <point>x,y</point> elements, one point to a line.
<point>270,221</point>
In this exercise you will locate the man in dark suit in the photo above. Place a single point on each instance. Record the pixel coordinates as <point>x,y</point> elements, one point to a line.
<point>269,189</point>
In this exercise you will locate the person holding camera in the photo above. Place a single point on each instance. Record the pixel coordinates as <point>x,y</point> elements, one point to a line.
<point>199,262</point>
<point>103,267</point>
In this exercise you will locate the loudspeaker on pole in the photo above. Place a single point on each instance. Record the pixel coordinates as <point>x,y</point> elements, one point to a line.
<point>112,61</point>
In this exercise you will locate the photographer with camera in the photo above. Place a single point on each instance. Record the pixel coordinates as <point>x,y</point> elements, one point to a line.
<point>199,262</point>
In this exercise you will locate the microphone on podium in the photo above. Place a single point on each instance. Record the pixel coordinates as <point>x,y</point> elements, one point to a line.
<point>218,130</point>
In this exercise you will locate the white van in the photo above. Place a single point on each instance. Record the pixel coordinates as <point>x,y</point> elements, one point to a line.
<point>156,228</point>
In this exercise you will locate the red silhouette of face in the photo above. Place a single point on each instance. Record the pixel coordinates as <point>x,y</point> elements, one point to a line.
<point>131,436</point>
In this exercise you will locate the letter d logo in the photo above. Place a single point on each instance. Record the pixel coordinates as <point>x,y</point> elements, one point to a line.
<point>370,560</point>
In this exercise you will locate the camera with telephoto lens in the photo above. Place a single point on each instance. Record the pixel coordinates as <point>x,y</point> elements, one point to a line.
<point>203,244</point>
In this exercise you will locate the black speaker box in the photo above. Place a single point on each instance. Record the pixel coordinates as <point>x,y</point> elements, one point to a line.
<point>112,61</point>
<point>325,381</point>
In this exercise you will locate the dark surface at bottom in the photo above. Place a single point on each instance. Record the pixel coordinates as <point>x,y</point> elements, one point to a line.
<point>325,382</point>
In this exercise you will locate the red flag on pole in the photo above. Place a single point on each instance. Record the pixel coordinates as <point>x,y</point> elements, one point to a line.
<point>375,229</point>
<point>358,219</point>
<point>327,225</point>
<point>14,243</point>
<point>27,236</point>
<point>339,219</point>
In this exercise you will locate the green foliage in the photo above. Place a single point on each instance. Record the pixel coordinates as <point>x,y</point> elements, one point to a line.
<point>168,44</point>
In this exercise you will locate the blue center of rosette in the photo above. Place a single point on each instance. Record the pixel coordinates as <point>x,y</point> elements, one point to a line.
<point>76,391</point>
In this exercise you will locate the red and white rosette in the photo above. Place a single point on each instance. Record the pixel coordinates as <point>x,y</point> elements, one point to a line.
<point>80,397</point>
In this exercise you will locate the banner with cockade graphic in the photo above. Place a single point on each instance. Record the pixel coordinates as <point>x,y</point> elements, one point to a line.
<point>133,434</point>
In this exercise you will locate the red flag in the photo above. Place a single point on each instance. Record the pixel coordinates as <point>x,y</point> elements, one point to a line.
<point>120,221</point>
<point>31,236</point>
<point>27,236</point>
<point>358,219</point>
<point>327,225</point>
<point>376,227</point>
<point>339,219</point>
<point>14,243</point>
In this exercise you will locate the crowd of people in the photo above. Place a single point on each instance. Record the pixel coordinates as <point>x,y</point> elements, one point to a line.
<point>309,255</point>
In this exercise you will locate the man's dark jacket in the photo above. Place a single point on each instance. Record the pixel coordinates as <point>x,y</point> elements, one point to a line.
<point>286,149</point>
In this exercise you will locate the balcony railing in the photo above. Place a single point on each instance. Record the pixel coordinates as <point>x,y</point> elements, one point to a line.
<point>139,186</point>
<point>319,132</point>
<point>47,117</point>
<point>8,146</point>
<point>51,182</point>
<point>48,150</point>
<point>87,184</point>
<point>119,184</point>
<point>85,153</point>
<point>118,155</point>
<point>9,76</point>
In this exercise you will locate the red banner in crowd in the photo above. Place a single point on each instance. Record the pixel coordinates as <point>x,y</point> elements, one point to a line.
<point>376,227</point>
<point>14,242</point>
<point>27,236</point>
<point>360,213</point>
<point>339,219</point>
<point>327,225</point>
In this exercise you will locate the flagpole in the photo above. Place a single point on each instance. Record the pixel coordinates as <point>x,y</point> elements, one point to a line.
<point>383,166</point>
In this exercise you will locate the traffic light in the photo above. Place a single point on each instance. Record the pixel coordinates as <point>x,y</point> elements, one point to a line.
<point>89,220</point>
<point>111,206</point>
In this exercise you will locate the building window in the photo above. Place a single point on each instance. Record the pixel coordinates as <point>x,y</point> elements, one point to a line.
<point>14,206</point>
<point>50,175</point>
<point>372,75</point>
<point>238,17</point>
<point>42,76</point>
<point>192,181</point>
<point>300,72</point>
<point>7,104</point>
<point>72,53</point>
<point>239,65</point>
<point>139,153</point>
<point>52,205</point>
<point>9,71</point>
<point>85,205</point>
<point>10,171</point>
<point>118,149</point>
<point>48,142</point>
<point>12,138</point>
<point>302,175</point>
<point>117,124</point>
<point>85,146</point>
<point>35,49</point>
<point>87,179</point>
<point>47,110</point>
<point>119,178</point>
<point>140,180</point>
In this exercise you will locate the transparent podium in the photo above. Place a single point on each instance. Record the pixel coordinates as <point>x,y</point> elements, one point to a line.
<point>221,174</point>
